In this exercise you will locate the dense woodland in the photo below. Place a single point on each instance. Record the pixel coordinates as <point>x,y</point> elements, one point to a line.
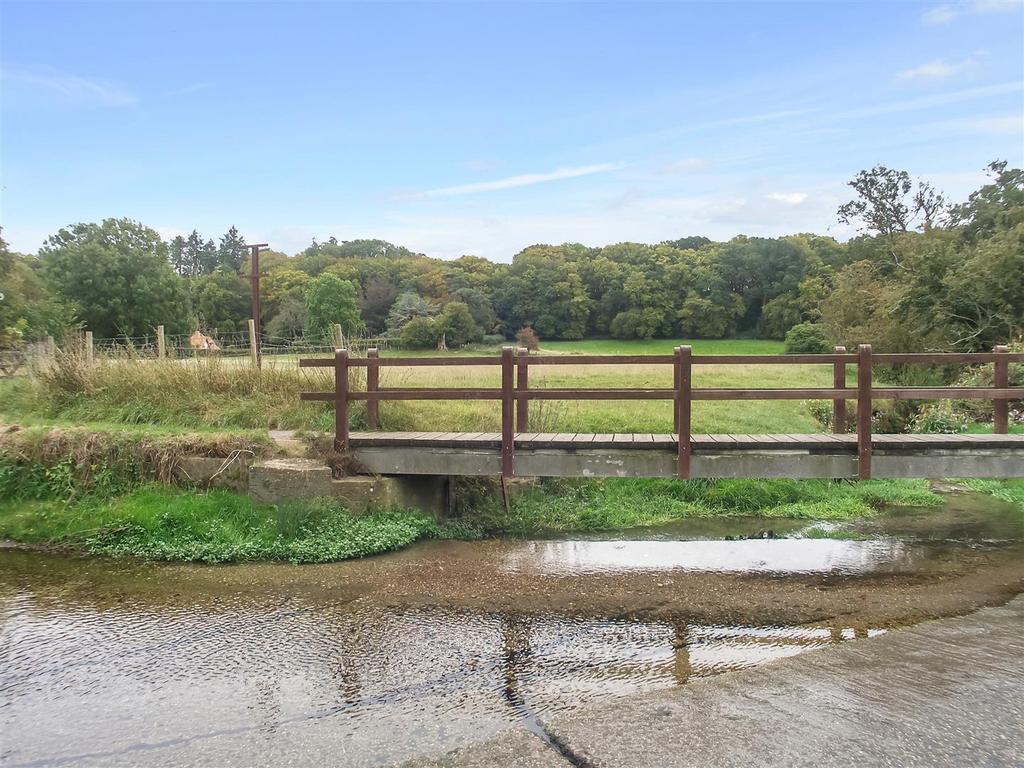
<point>922,274</point>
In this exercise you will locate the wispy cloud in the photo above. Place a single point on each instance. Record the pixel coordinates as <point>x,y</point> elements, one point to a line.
<point>522,180</point>
<point>685,165</point>
<point>1009,124</point>
<point>927,102</point>
<point>938,69</point>
<point>190,88</point>
<point>944,14</point>
<point>789,198</point>
<point>69,89</point>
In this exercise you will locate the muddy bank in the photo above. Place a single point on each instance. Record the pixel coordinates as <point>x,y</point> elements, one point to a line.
<point>496,575</point>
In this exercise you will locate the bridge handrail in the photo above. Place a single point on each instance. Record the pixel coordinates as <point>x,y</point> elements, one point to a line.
<point>515,392</point>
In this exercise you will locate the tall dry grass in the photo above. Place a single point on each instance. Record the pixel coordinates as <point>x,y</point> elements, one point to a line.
<point>230,394</point>
<point>196,392</point>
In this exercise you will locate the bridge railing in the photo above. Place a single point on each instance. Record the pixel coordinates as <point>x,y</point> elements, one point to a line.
<point>515,392</point>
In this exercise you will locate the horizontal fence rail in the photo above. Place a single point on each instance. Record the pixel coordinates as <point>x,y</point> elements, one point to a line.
<point>515,392</point>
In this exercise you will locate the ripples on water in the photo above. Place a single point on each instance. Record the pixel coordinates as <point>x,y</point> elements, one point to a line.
<point>82,679</point>
<point>119,664</point>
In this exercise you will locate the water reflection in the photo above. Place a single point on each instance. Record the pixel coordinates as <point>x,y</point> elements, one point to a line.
<point>373,661</point>
<point>144,682</point>
<point>782,556</point>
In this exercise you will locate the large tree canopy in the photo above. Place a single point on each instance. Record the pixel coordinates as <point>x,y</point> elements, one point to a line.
<point>117,276</point>
<point>331,301</point>
<point>921,274</point>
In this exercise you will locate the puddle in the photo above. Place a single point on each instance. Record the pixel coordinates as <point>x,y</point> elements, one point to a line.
<point>370,662</point>
<point>775,556</point>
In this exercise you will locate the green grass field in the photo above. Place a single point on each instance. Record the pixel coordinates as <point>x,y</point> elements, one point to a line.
<point>227,394</point>
<point>608,416</point>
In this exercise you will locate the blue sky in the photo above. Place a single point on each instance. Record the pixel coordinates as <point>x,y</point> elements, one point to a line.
<point>485,127</point>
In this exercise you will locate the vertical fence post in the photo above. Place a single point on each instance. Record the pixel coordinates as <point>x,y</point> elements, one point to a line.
<point>864,411</point>
<point>341,399</point>
<point>522,385</point>
<point>372,385</point>
<point>339,336</point>
<point>161,344</point>
<point>676,372</point>
<point>253,350</point>
<point>1001,380</point>
<point>51,347</point>
<point>839,404</point>
<point>507,414</point>
<point>89,352</point>
<point>684,407</point>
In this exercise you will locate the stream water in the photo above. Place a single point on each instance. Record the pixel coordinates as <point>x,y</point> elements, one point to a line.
<point>371,662</point>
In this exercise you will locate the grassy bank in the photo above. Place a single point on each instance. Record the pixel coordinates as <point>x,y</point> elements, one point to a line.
<point>599,505</point>
<point>43,462</point>
<point>160,523</point>
<point>112,511</point>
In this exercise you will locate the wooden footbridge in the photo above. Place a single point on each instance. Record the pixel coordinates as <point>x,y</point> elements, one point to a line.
<point>515,451</point>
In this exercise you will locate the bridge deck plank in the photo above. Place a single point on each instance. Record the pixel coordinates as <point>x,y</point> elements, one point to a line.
<point>584,440</point>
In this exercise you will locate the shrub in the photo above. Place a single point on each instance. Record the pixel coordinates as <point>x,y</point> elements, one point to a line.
<point>527,337</point>
<point>419,333</point>
<point>821,412</point>
<point>807,339</point>
<point>329,301</point>
<point>636,324</point>
<point>458,325</point>
<point>939,417</point>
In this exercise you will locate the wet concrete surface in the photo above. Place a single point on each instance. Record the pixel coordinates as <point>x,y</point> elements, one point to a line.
<point>944,693</point>
<point>371,662</point>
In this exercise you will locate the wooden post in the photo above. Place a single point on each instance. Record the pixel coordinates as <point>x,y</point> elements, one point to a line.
<point>1001,380</point>
<point>341,399</point>
<point>89,355</point>
<point>684,407</point>
<point>51,347</point>
<point>864,411</point>
<point>507,414</point>
<point>839,404</point>
<point>675,388</point>
<point>254,353</point>
<point>254,279</point>
<point>522,385</point>
<point>161,345</point>
<point>339,337</point>
<point>372,385</point>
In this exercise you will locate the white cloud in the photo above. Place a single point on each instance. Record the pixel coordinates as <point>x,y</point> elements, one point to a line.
<point>789,198</point>
<point>685,165</point>
<point>940,14</point>
<point>522,180</point>
<point>1009,124</point>
<point>190,88</point>
<point>937,70</point>
<point>70,89</point>
<point>944,14</point>
<point>482,164</point>
<point>927,102</point>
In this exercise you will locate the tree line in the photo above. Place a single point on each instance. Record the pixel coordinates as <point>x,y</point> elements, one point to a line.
<point>920,274</point>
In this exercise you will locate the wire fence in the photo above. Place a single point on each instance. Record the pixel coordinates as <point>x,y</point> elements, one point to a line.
<point>225,344</point>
